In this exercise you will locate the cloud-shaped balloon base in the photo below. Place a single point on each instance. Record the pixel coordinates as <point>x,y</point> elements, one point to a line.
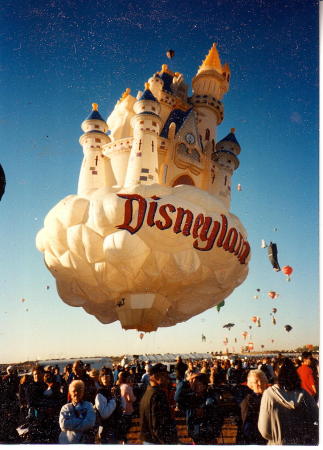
<point>149,256</point>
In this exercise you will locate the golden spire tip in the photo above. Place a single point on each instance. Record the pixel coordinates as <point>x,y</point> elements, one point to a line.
<point>95,106</point>
<point>147,86</point>
<point>233,130</point>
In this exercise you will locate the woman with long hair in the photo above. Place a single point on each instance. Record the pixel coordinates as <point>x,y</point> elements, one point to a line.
<point>288,414</point>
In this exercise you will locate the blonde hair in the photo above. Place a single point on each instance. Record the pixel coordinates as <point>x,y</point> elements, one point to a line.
<point>77,384</point>
<point>258,374</point>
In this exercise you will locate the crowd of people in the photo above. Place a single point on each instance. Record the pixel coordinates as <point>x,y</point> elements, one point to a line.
<point>275,401</point>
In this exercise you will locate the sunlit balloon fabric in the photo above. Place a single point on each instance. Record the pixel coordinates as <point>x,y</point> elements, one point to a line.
<point>149,240</point>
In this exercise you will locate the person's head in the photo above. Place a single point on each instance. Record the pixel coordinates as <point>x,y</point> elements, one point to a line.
<point>106,376</point>
<point>199,382</point>
<point>49,378</point>
<point>76,391</point>
<point>158,375</point>
<point>56,370</point>
<point>123,377</point>
<point>94,374</point>
<point>37,373</point>
<point>287,376</point>
<point>78,368</point>
<point>10,370</point>
<point>179,359</point>
<point>307,358</point>
<point>257,381</point>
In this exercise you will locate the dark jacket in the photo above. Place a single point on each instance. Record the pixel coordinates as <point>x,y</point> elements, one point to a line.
<point>250,407</point>
<point>157,425</point>
<point>204,414</point>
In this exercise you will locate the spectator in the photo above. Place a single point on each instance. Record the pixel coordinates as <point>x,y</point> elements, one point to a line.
<point>127,399</point>
<point>78,373</point>
<point>250,406</point>
<point>288,414</point>
<point>268,369</point>
<point>107,406</point>
<point>180,369</point>
<point>306,374</point>
<point>77,418</point>
<point>157,425</point>
<point>191,370</point>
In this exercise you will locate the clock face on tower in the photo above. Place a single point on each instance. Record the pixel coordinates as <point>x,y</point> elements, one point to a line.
<point>190,139</point>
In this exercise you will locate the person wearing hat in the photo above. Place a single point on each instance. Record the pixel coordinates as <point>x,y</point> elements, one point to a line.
<point>157,425</point>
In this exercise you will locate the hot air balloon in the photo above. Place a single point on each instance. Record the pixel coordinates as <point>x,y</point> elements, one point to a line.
<point>287,270</point>
<point>273,320</point>
<point>244,334</point>
<point>203,338</point>
<point>250,326</point>
<point>133,245</point>
<point>272,341</point>
<point>170,54</point>
<point>258,322</point>
<point>219,306</point>
<point>254,319</point>
<point>47,287</point>
<point>2,182</point>
<point>239,188</point>
<point>228,325</point>
<point>272,255</point>
<point>23,300</point>
<point>262,346</point>
<point>288,328</point>
<point>235,340</point>
<point>274,310</point>
<point>263,244</point>
<point>273,294</point>
<point>141,335</point>
<point>250,346</point>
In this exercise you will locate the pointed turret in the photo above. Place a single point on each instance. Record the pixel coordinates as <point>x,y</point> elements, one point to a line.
<point>143,160</point>
<point>93,174</point>
<point>212,61</point>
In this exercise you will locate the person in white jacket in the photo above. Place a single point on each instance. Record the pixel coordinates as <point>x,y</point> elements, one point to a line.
<point>76,419</point>
<point>288,414</point>
<point>106,404</point>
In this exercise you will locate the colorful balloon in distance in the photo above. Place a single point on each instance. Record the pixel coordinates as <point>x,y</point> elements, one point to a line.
<point>262,346</point>
<point>244,335</point>
<point>170,54</point>
<point>263,244</point>
<point>219,306</point>
<point>274,310</point>
<point>254,319</point>
<point>250,327</point>
<point>239,187</point>
<point>137,244</point>
<point>141,335</point>
<point>288,328</point>
<point>23,300</point>
<point>273,320</point>
<point>287,270</point>
<point>273,294</point>
<point>250,346</point>
<point>228,325</point>
<point>273,256</point>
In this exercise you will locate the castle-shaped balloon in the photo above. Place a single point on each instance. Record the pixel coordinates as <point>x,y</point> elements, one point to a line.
<point>149,239</point>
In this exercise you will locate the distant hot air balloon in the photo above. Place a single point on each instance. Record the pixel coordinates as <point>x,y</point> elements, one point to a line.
<point>244,334</point>
<point>263,244</point>
<point>309,347</point>
<point>219,306</point>
<point>47,287</point>
<point>141,335</point>
<point>203,338</point>
<point>273,320</point>
<point>258,322</point>
<point>170,54</point>
<point>239,188</point>
<point>287,270</point>
<point>272,341</point>
<point>23,300</point>
<point>235,340</point>
<point>228,325</point>
<point>272,255</point>
<point>250,346</point>
<point>262,346</point>
<point>288,328</point>
<point>273,294</point>
<point>274,310</point>
<point>250,326</point>
<point>2,182</point>
<point>254,319</point>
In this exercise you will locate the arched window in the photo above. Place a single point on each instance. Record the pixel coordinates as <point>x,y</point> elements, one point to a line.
<point>184,179</point>
<point>207,134</point>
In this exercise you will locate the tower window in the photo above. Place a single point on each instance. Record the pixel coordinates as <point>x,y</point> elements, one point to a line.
<point>207,134</point>
<point>154,124</point>
<point>153,108</point>
<point>96,126</point>
<point>97,140</point>
<point>225,180</point>
<point>141,122</point>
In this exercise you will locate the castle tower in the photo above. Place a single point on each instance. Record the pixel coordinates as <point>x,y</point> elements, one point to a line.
<point>94,170</point>
<point>209,85</point>
<point>224,162</point>
<point>143,160</point>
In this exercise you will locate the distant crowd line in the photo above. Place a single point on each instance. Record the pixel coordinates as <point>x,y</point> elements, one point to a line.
<point>273,401</point>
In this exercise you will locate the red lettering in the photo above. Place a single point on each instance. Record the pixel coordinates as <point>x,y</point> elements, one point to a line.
<point>164,214</point>
<point>197,225</point>
<point>179,218</point>
<point>128,211</point>
<point>227,245</point>
<point>224,228</point>
<point>204,234</point>
<point>152,211</point>
<point>244,252</point>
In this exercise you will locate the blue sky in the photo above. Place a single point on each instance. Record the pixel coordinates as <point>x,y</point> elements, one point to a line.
<point>57,57</point>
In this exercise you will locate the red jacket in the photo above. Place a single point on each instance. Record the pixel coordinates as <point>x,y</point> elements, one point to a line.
<point>306,375</point>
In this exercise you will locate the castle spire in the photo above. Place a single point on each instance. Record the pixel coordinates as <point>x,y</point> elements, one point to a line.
<point>211,61</point>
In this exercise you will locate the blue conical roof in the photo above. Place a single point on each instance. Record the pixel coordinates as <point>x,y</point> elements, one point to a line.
<point>147,95</point>
<point>95,115</point>
<point>230,138</point>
